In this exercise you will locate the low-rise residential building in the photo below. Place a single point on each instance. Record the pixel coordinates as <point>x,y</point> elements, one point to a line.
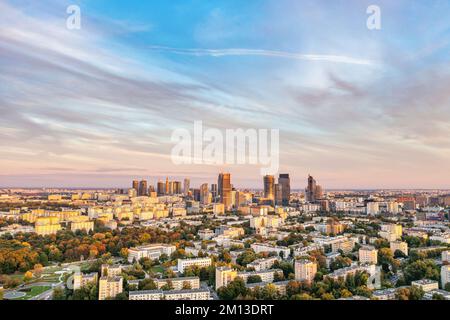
<point>263,264</point>
<point>151,251</point>
<point>194,294</point>
<point>426,285</point>
<point>263,247</point>
<point>199,262</point>
<point>179,283</point>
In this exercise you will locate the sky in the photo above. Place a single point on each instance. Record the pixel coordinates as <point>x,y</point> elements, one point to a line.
<point>96,107</point>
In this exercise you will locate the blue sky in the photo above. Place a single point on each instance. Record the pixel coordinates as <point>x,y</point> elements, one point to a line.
<point>356,108</point>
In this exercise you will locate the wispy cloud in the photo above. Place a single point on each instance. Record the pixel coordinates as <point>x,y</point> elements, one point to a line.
<point>264,53</point>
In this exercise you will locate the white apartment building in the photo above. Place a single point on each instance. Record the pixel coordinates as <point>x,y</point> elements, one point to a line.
<point>179,283</point>
<point>151,251</point>
<point>445,275</point>
<point>263,264</point>
<point>426,285</point>
<point>195,294</point>
<point>262,247</point>
<point>446,256</point>
<point>200,262</point>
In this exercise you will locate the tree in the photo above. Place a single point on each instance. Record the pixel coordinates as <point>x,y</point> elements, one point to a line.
<point>278,276</point>
<point>402,294</point>
<point>233,290</point>
<point>58,294</point>
<point>327,296</point>
<point>168,286</point>
<point>187,285</point>
<point>399,254</point>
<point>421,269</point>
<point>28,276</point>
<point>416,293</point>
<point>147,284</point>
<point>246,257</point>
<point>38,269</point>
<point>254,279</point>
<point>302,296</point>
<point>124,253</point>
<point>447,286</point>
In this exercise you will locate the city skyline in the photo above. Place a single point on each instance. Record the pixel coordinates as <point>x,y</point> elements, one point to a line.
<point>95,107</point>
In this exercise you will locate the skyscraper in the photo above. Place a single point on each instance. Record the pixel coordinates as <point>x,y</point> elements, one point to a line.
<point>278,194</point>
<point>135,185</point>
<point>285,183</point>
<point>269,187</point>
<point>186,186</point>
<point>224,189</point>
<point>160,188</point>
<point>166,191</point>
<point>177,187</point>
<point>142,190</point>
<point>204,194</point>
<point>313,191</point>
<point>214,191</point>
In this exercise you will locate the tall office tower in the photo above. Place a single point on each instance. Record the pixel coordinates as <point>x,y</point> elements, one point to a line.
<point>160,188</point>
<point>177,187</point>
<point>224,189</point>
<point>135,185</point>
<point>204,194</point>
<point>171,188</point>
<point>214,192</point>
<point>196,194</point>
<point>187,182</point>
<point>278,194</point>
<point>285,182</point>
<point>142,188</point>
<point>167,186</point>
<point>151,189</point>
<point>318,193</point>
<point>313,191</point>
<point>269,187</point>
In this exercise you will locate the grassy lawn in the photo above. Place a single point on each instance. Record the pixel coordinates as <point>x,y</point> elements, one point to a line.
<point>33,291</point>
<point>156,269</point>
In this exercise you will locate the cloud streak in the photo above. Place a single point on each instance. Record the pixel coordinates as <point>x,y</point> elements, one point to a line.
<point>265,53</point>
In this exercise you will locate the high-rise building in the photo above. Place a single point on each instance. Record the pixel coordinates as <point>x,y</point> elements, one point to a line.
<point>313,191</point>
<point>305,270</point>
<point>109,287</point>
<point>177,187</point>
<point>160,188</point>
<point>186,186</point>
<point>196,194</point>
<point>204,194</point>
<point>278,194</point>
<point>269,187</point>
<point>166,191</point>
<point>224,189</point>
<point>368,254</point>
<point>285,182</point>
<point>135,185</point>
<point>214,192</point>
<point>142,191</point>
